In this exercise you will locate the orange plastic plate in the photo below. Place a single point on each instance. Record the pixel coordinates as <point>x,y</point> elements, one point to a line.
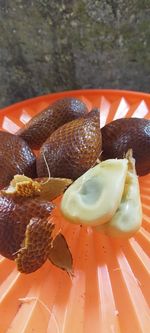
<point>110,290</point>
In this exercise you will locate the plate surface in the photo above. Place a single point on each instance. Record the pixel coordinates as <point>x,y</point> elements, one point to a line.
<point>109,292</point>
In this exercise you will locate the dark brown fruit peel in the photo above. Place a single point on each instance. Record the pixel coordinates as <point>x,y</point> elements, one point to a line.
<point>15,157</point>
<point>72,149</point>
<point>123,134</point>
<point>36,247</point>
<point>41,126</point>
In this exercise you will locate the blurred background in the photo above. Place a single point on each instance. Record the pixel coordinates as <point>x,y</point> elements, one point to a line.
<point>56,45</point>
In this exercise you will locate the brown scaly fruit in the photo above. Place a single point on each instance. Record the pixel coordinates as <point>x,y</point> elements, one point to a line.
<point>72,149</point>
<point>26,227</point>
<point>42,125</point>
<point>122,134</point>
<point>15,157</point>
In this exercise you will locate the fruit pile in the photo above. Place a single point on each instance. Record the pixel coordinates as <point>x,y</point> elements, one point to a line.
<point>68,147</point>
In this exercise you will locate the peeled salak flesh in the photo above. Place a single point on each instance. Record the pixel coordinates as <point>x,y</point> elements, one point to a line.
<point>128,217</point>
<point>94,197</point>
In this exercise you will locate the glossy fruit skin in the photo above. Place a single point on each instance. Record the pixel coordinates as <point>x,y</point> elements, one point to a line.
<point>123,134</point>
<point>42,125</point>
<point>15,215</point>
<point>15,158</point>
<point>72,149</point>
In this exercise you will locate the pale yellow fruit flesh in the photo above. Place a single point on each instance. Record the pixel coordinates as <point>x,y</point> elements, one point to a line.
<point>94,197</point>
<point>128,217</point>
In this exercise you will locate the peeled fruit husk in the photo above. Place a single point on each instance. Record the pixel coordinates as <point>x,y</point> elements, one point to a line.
<point>128,217</point>
<point>94,197</point>
<point>45,188</point>
<point>27,228</point>
<point>39,245</point>
<point>36,245</point>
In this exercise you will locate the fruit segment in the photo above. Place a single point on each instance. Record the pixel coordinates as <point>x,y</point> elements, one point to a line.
<point>128,218</point>
<point>94,197</point>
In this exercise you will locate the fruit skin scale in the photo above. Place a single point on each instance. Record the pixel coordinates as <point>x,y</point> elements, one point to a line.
<point>79,205</point>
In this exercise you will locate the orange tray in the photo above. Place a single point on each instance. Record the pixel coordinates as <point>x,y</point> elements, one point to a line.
<point>110,290</point>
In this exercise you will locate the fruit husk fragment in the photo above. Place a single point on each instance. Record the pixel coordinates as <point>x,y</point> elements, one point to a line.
<point>36,245</point>
<point>53,187</point>
<point>32,237</point>
<point>60,254</point>
<point>44,188</point>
